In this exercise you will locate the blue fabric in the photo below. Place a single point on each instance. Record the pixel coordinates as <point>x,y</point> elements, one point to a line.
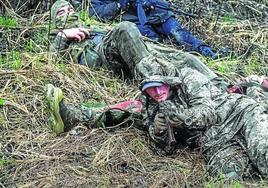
<point>159,22</point>
<point>141,12</point>
<point>97,39</point>
<point>172,28</point>
<point>124,4</point>
<point>151,84</point>
<point>148,31</point>
<point>106,9</point>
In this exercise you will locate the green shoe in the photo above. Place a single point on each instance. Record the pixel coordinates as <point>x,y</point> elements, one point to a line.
<point>54,96</point>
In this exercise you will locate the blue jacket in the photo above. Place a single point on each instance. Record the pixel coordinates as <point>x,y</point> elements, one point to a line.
<point>109,10</point>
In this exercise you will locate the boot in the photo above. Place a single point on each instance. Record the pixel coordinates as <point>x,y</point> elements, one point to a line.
<point>184,37</point>
<point>207,52</point>
<point>54,96</point>
<point>63,117</point>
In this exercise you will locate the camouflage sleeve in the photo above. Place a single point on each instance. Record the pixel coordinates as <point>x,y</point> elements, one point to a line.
<point>200,107</point>
<point>58,43</point>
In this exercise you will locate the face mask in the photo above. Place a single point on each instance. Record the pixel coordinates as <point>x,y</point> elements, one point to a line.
<point>159,93</point>
<point>68,21</point>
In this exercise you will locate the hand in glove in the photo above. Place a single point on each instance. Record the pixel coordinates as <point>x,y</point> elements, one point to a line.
<point>173,114</point>
<point>160,123</point>
<point>175,121</point>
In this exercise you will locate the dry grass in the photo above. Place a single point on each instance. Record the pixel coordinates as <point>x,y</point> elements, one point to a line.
<point>33,156</point>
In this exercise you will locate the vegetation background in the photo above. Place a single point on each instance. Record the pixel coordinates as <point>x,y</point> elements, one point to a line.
<point>31,155</point>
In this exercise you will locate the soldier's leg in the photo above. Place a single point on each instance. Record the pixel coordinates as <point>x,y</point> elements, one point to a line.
<point>123,43</point>
<point>255,131</point>
<point>183,59</point>
<point>229,161</point>
<point>171,27</point>
<point>63,116</point>
<point>73,115</point>
<point>189,60</point>
<point>148,31</point>
<point>195,63</point>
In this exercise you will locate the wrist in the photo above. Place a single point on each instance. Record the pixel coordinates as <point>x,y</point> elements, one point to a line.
<point>62,34</point>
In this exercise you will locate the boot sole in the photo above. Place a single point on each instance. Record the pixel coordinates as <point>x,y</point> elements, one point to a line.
<point>54,96</point>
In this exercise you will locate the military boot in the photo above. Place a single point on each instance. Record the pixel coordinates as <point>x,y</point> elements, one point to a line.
<point>54,96</point>
<point>184,37</point>
<point>63,117</point>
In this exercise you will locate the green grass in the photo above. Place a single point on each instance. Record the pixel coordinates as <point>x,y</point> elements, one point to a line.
<point>221,183</point>
<point>228,19</point>
<point>224,66</point>
<point>2,102</point>
<point>12,60</point>
<point>37,43</point>
<point>7,22</point>
<point>254,66</point>
<point>5,162</point>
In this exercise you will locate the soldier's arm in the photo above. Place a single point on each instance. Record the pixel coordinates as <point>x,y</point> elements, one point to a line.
<point>57,43</point>
<point>62,37</point>
<point>201,107</point>
<point>106,10</point>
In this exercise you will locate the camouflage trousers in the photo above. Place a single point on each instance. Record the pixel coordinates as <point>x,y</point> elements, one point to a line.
<point>73,115</point>
<point>230,160</point>
<point>246,152</point>
<point>124,47</point>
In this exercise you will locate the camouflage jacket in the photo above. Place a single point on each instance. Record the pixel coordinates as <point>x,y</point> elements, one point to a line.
<point>83,52</point>
<point>215,114</point>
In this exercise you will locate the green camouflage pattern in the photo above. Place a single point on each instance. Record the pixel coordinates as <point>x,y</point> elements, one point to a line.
<point>124,50</point>
<point>55,8</point>
<point>259,94</point>
<point>103,117</point>
<point>71,50</point>
<point>72,115</point>
<point>225,125</point>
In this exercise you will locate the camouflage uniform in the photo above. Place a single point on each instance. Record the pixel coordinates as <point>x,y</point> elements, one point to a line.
<point>73,115</point>
<point>231,129</point>
<point>121,50</point>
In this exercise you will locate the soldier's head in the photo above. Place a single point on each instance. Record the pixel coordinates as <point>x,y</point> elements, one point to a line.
<point>63,15</point>
<point>157,90</point>
<point>61,8</point>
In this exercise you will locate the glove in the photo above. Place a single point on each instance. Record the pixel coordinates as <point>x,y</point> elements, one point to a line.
<point>254,79</point>
<point>160,124</point>
<point>172,113</point>
<point>124,4</point>
<point>175,121</point>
